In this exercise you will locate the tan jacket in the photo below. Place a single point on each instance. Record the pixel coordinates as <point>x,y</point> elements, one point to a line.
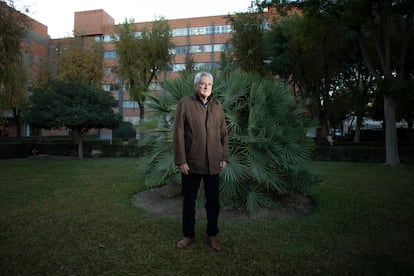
<point>200,135</point>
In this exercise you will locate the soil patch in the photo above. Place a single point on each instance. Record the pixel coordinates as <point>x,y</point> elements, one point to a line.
<point>166,201</point>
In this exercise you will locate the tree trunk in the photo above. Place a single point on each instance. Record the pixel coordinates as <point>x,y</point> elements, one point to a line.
<point>391,141</point>
<point>80,144</point>
<point>141,110</point>
<point>357,134</point>
<point>18,124</point>
<point>358,125</point>
<point>39,135</point>
<point>141,119</point>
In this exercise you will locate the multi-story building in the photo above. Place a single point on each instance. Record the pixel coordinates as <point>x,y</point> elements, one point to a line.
<point>200,39</point>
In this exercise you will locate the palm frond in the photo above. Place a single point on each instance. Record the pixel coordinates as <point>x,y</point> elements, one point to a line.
<point>234,177</point>
<point>159,171</point>
<point>179,88</point>
<point>160,102</point>
<point>256,200</point>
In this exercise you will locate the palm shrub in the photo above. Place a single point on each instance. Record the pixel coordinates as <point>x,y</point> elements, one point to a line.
<point>268,146</point>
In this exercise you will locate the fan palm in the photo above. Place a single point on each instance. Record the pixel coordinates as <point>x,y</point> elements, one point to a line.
<point>268,146</point>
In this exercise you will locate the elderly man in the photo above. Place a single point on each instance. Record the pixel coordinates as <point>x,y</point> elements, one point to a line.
<point>201,152</point>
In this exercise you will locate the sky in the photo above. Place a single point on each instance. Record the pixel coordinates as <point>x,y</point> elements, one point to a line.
<point>58,15</point>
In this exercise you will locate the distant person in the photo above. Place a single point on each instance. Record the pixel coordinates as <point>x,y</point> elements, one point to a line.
<point>201,152</point>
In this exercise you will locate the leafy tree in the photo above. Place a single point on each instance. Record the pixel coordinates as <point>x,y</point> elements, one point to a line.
<point>248,41</point>
<point>81,59</point>
<point>13,25</point>
<point>13,80</point>
<point>384,30</point>
<point>142,54</point>
<point>74,105</point>
<point>267,140</point>
<point>405,104</point>
<point>308,54</point>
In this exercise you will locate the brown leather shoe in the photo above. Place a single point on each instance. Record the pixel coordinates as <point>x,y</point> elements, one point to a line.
<point>214,243</point>
<point>184,242</point>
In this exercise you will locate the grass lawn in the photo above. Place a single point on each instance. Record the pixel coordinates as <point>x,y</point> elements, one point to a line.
<point>75,217</point>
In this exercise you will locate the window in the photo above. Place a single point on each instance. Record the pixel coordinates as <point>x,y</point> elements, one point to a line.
<point>107,38</point>
<point>223,29</point>
<point>103,38</point>
<point>175,67</point>
<point>106,87</point>
<point>110,54</point>
<point>114,86</point>
<point>130,104</point>
<point>180,32</point>
<point>206,65</point>
<point>111,87</point>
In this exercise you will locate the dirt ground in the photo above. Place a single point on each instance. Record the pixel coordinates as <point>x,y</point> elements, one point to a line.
<point>166,201</point>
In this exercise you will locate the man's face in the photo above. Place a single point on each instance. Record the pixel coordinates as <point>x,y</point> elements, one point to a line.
<point>204,87</point>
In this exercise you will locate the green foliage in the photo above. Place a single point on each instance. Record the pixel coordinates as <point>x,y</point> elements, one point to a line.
<point>142,56</point>
<point>385,32</point>
<point>13,78</point>
<point>270,153</point>
<point>71,104</point>
<point>248,41</point>
<point>13,26</point>
<point>309,52</point>
<point>81,59</point>
<point>125,131</point>
<point>267,140</point>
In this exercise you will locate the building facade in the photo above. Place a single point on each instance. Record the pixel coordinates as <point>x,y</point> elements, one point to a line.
<point>200,40</point>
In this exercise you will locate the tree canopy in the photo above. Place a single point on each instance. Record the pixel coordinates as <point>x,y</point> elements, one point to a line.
<point>142,53</point>
<point>356,47</point>
<point>384,32</point>
<point>13,80</point>
<point>74,105</point>
<point>81,59</point>
<point>248,41</point>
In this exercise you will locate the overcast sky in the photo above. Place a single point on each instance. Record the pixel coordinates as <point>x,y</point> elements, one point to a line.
<point>58,15</point>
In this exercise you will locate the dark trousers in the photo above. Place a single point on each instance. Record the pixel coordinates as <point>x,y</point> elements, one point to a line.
<point>190,187</point>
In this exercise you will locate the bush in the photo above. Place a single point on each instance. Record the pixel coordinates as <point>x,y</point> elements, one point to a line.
<point>359,153</point>
<point>125,131</point>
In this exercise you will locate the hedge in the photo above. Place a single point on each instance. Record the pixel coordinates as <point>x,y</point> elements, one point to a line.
<point>98,148</point>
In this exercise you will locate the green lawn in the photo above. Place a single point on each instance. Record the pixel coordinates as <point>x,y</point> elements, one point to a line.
<point>75,217</point>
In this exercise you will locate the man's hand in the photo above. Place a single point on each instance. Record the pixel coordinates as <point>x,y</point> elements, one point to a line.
<point>223,165</point>
<point>184,169</point>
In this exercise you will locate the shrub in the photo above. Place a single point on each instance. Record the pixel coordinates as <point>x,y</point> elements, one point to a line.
<point>125,131</point>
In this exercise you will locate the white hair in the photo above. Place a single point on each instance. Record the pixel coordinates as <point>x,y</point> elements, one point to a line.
<point>202,74</point>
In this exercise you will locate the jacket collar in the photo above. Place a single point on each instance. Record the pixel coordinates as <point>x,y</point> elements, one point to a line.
<point>197,97</point>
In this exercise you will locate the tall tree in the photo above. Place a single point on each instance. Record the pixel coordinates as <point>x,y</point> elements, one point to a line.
<point>13,80</point>
<point>82,59</point>
<point>142,54</point>
<point>248,41</point>
<point>384,29</point>
<point>74,105</point>
<point>307,53</point>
